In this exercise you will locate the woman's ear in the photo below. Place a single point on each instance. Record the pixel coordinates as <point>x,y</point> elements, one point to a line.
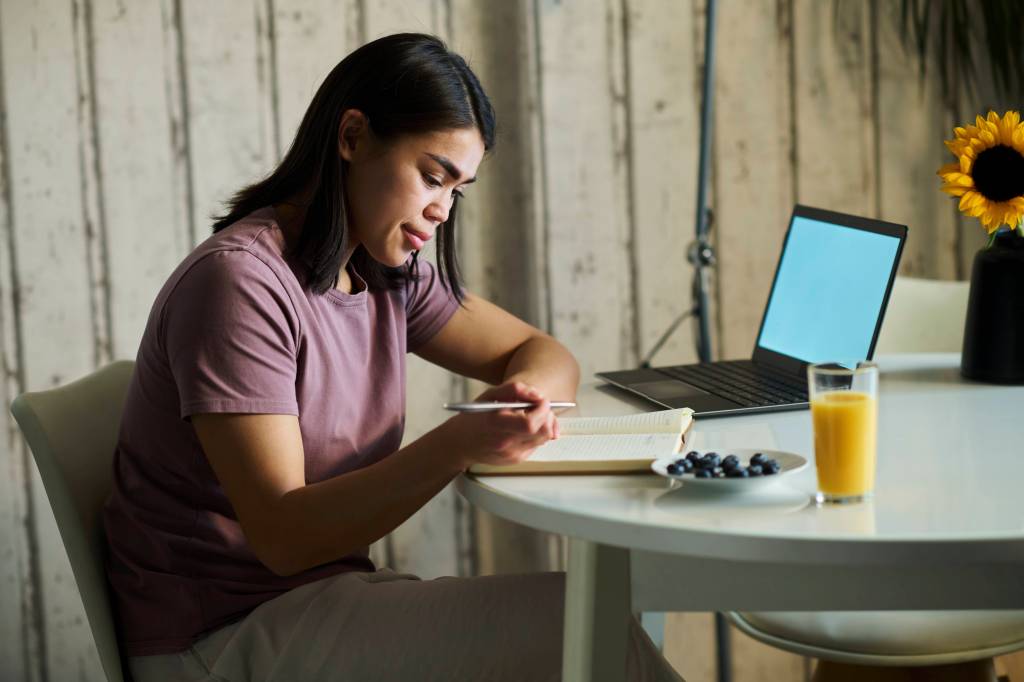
<point>351,132</point>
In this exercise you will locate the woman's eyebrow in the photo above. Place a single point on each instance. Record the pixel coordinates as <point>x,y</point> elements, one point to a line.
<point>450,168</point>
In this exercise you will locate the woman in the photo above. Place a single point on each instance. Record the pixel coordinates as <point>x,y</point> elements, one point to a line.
<point>259,448</point>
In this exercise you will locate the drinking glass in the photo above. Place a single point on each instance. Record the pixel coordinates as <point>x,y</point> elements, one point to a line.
<point>844,411</point>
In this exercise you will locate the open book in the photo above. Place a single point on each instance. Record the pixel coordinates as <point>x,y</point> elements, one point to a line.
<point>604,445</point>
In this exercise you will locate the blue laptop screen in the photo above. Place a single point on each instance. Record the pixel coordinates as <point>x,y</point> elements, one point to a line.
<point>828,292</point>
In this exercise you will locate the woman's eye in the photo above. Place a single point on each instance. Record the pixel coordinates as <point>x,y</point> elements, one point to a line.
<point>458,193</point>
<point>431,181</point>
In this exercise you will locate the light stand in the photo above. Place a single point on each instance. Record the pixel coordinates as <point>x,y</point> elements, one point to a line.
<point>700,253</point>
<point>702,256</point>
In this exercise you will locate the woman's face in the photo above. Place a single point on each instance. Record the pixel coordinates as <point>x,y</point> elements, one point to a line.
<point>399,192</point>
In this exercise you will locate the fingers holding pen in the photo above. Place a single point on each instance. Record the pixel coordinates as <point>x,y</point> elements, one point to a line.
<point>535,425</point>
<point>504,435</point>
<point>542,421</point>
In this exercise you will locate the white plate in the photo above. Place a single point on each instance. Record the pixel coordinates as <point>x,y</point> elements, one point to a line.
<point>789,463</point>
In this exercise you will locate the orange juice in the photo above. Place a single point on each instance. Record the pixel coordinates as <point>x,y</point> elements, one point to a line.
<point>845,434</point>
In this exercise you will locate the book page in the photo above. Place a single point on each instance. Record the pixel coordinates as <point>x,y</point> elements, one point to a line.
<point>608,446</point>
<point>665,421</point>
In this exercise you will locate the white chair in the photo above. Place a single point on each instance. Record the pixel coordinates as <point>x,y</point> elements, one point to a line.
<point>923,316</point>
<point>72,432</point>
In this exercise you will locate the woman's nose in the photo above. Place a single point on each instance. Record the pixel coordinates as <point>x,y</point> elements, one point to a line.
<point>436,212</point>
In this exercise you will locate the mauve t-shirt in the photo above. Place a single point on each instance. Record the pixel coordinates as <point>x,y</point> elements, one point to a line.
<point>234,329</point>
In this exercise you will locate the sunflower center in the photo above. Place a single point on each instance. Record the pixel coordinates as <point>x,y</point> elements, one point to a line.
<point>999,173</point>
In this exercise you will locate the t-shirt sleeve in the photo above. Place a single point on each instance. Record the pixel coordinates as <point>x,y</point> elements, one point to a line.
<point>428,306</point>
<point>230,333</point>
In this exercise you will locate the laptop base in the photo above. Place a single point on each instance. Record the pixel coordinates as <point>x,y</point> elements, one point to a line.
<point>661,389</point>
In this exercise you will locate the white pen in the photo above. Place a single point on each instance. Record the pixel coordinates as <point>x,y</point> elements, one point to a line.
<point>494,405</point>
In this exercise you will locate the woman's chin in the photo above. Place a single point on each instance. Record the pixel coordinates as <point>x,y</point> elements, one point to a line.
<point>393,259</point>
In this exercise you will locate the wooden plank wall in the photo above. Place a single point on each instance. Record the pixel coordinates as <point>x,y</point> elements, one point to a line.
<point>124,125</point>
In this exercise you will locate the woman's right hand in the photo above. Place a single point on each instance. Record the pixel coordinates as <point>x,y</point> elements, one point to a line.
<point>503,436</point>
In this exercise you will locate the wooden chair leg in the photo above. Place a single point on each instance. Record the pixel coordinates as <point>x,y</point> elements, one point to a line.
<point>1011,667</point>
<point>972,671</point>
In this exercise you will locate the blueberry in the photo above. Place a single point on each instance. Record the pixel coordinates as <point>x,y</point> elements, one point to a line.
<point>737,473</point>
<point>686,465</point>
<point>759,459</point>
<point>693,456</point>
<point>718,472</point>
<point>730,462</point>
<point>771,467</point>
<point>754,470</point>
<point>703,473</point>
<point>674,469</point>
<point>710,460</point>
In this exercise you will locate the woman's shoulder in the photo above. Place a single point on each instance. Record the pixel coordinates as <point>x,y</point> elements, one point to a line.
<point>247,256</point>
<point>251,246</point>
<point>257,233</point>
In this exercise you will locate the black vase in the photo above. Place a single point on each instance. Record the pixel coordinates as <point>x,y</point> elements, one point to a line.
<point>994,331</point>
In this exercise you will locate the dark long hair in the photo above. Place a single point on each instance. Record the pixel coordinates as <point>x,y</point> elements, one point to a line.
<point>406,83</point>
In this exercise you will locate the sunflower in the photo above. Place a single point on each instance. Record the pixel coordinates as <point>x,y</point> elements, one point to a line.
<point>989,175</point>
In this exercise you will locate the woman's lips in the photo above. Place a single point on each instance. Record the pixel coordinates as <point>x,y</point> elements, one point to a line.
<point>416,238</point>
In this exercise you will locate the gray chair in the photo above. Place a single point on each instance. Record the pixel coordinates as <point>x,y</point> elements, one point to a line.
<point>72,432</point>
<point>923,316</point>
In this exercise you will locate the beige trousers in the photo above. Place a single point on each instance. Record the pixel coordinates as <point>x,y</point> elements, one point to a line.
<point>391,626</point>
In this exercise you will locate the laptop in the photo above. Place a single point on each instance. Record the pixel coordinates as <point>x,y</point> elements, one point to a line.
<point>826,304</point>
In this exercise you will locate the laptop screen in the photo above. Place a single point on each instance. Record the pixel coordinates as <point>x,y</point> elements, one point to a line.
<point>829,291</point>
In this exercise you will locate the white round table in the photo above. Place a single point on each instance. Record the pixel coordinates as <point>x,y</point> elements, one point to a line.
<point>944,531</point>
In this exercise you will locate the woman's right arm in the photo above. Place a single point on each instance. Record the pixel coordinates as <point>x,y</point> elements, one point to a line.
<point>291,526</point>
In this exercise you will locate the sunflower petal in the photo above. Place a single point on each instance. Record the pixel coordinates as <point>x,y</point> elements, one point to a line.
<point>965,164</point>
<point>1001,214</point>
<point>967,200</point>
<point>1012,217</point>
<point>955,146</point>
<point>990,221</point>
<point>1018,138</point>
<point>955,190</point>
<point>1006,126</point>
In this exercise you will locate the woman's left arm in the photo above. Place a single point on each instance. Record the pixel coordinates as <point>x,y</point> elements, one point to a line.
<point>484,342</point>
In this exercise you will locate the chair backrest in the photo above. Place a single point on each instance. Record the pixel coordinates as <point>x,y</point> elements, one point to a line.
<point>72,432</point>
<point>924,315</point>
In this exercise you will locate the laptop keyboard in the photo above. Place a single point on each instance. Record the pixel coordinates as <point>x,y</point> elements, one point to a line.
<point>741,382</point>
